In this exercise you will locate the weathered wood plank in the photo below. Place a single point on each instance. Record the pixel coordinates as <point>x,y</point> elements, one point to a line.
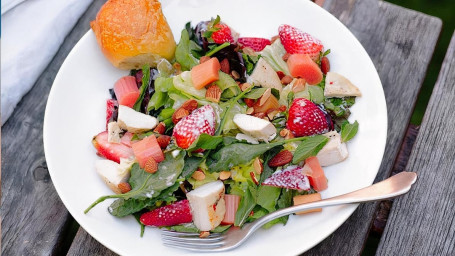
<point>423,221</point>
<point>84,244</point>
<point>34,220</point>
<point>392,37</point>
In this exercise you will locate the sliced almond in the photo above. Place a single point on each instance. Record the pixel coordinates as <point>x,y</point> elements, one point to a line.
<point>299,85</point>
<point>204,234</point>
<point>198,175</point>
<point>213,93</point>
<point>265,96</point>
<point>235,74</point>
<point>250,111</point>
<point>259,115</point>
<point>284,132</point>
<point>244,86</point>
<point>182,187</point>
<point>290,135</point>
<point>190,105</point>
<point>286,80</point>
<point>249,51</point>
<point>151,166</point>
<point>124,187</point>
<point>225,67</point>
<point>257,165</point>
<point>178,68</point>
<point>272,114</point>
<point>274,38</point>
<point>286,56</point>
<point>179,114</point>
<point>224,175</point>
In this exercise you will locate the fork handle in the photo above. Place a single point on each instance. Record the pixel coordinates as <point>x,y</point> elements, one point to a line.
<point>396,185</point>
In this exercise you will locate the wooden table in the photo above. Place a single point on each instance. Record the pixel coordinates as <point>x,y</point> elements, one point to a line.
<point>400,42</point>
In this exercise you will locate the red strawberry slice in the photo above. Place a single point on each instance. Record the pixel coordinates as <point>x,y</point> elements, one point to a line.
<point>111,111</point>
<point>169,215</point>
<point>306,119</point>
<point>292,178</point>
<point>295,40</point>
<point>187,130</point>
<point>223,34</point>
<point>111,151</point>
<point>255,43</point>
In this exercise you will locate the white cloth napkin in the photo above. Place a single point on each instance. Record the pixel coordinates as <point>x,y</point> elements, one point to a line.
<point>32,32</point>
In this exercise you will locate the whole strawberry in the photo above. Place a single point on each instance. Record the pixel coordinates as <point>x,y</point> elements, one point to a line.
<point>187,130</point>
<point>255,43</point>
<point>295,40</point>
<point>306,119</point>
<point>169,215</point>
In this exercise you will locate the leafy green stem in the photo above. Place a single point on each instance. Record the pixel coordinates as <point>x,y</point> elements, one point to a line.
<point>218,48</point>
<point>231,104</point>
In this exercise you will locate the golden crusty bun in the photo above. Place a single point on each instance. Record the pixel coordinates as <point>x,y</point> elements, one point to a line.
<point>132,33</point>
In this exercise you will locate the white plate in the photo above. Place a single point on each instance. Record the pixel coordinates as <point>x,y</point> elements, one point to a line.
<point>75,112</point>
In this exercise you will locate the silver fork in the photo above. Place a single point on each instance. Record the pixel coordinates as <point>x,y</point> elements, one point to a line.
<point>394,186</point>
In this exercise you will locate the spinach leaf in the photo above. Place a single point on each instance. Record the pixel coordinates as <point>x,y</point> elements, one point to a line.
<point>205,141</point>
<point>137,216</point>
<point>240,153</point>
<point>250,62</point>
<point>267,197</point>
<point>123,207</point>
<point>309,147</point>
<point>255,93</point>
<point>284,201</point>
<point>348,131</point>
<point>246,204</point>
<point>145,84</point>
<point>145,185</point>
<point>183,53</point>
<point>191,165</point>
<point>227,110</point>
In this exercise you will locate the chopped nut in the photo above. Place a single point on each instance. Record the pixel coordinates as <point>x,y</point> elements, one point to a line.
<point>179,114</point>
<point>266,118</point>
<point>282,108</point>
<point>151,166</point>
<point>213,93</point>
<point>204,234</point>
<point>249,51</point>
<point>272,114</point>
<point>249,111</point>
<point>286,56</point>
<point>253,177</point>
<point>224,175</point>
<point>299,85</point>
<point>198,175</point>
<point>259,115</point>
<point>257,165</point>
<point>235,74</point>
<point>274,38</point>
<point>160,128</point>
<point>178,68</point>
<point>182,187</point>
<point>290,135</point>
<point>225,66</point>
<point>204,59</point>
<point>190,105</point>
<point>284,132</point>
<point>124,187</point>
<point>265,96</point>
<point>286,80</point>
<point>244,86</point>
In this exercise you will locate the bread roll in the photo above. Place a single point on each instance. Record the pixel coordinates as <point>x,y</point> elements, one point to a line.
<point>132,33</point>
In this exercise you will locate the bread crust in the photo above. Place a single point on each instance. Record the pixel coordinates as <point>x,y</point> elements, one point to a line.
<point>132,33</point>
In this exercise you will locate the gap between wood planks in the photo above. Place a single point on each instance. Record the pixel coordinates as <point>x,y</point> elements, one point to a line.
<point>383,210</point>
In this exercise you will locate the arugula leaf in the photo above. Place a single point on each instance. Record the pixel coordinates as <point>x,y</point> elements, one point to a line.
<point>309,147</point>
<point>348,131</point>
<point>145,84</point>
<point>183,51</point>
<point>240,153</point>
<point>268,196</point>
<point>250,62</point>
<point>217,49</point>
<point>211,28</point>
<point>231,103</point>
<point>145,185</point>
<point>205,141</point>
<point>246,204</point>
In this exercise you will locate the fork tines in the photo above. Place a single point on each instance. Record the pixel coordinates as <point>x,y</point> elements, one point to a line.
<point>191,240</point>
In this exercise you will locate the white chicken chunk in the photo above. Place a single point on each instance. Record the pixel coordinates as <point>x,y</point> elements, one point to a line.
<point>113,132</point>
<point>334,151</point>
<point>207,205</point>
<point>255,127</point>
<point>265,76</point>
<point>337,85</point>
<point>135,122</point>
